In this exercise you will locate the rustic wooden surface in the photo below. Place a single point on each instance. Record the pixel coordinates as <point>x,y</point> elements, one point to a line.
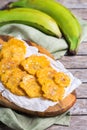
<point>78,66</point>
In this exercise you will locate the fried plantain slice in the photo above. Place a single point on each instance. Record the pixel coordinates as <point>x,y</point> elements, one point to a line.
<point>62,79</point>
<point>47,72</point>
<point>52,91</point>
<point>12,82</point>
<point>5,76</point>
<point>30,86</point>
<point>34,63</point>
<point>14,49</point>
<point>7,64</point>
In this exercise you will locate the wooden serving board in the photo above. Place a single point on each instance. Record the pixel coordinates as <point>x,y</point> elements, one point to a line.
<point>57,109</point>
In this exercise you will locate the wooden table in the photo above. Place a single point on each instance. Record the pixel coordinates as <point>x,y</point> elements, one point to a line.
<point>78,66</point>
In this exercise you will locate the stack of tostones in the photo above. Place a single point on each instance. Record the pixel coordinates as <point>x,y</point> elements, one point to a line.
<point>32,76</point>
<point>52,89</point>
<point>14,49</point>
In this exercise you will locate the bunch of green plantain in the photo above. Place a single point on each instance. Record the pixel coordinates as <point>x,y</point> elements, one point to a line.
<point>48,16</point>
<point>31,17</point>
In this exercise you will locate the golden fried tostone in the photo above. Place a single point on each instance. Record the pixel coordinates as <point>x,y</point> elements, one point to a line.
<point>52,91</point>
<point>53,83</point>
<point>62,79</point>
<point>5,76</point>
<point>7,64</point>
<point>42,74</point>
<point>34,63</point>
<point>12,82</point>
<point>13,49</point>
<point>30,86</point>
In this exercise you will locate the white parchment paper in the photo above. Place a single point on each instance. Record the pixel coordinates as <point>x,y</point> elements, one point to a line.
<point>39,104</point>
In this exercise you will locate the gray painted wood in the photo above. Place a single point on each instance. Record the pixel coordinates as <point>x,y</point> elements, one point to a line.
<point>80,73</point>
<point>77,123</point>
<point>68,61</point>
<point>82,91</point>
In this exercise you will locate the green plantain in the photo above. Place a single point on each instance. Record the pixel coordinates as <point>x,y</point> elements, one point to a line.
<point>67,22</point>
<point>31,17</point>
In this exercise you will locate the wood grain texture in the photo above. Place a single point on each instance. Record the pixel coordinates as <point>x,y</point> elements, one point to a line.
<point>4,2</point>
<point>82,49</point>
<point>73,4</point>
<point>77,123</point>
<point>80,73</point>
<point>79,108</point>
<point>82,91</point>
<point>80,13</point>
<point>77,7</point>
<point>72,62</point>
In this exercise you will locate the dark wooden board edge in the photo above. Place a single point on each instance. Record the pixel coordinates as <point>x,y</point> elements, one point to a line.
<point>59,108</point>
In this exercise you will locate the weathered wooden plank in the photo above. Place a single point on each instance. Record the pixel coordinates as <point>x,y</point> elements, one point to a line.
<point>74,61</point>
<point>82,13</point>
<point>77,123</point>
<point>74,4</point>
<point>80,73</point>
<point>80,107</point>
<point>4,2</point>
<point>81,91</point>
<point>82,50</point>
<point>77,7</point>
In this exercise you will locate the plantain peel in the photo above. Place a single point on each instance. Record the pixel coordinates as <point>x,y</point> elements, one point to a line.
<point>67,22</point>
